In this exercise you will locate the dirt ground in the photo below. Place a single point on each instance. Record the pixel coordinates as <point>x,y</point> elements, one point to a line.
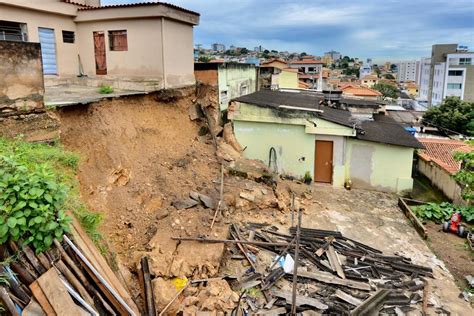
<point>453,250</point>
<point>142,154</point>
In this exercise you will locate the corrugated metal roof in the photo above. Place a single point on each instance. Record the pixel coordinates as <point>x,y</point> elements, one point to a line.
<point>139,4</point>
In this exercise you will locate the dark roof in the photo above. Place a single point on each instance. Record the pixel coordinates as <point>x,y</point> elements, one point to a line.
<point>382,129</point>
<point>140,4</point>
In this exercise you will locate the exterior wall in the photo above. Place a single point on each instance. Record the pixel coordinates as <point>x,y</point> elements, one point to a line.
<point>437,89</point>
<point>66,53</point>
<point>305,67</point>
<point>235,80</point>
<point>208,76</point>
<point>288,79</point>
<point>382,167</point>
<point>466,80</point>
<point>21,78</point>
<point>408,70</point>
<point>441,179</point>
<point>290,143</point>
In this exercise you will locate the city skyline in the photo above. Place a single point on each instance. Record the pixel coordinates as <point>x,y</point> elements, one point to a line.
<point>394,30</point>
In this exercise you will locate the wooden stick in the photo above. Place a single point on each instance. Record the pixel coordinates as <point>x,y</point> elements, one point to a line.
<point>149,297</point>
<point>221,196</point>
<point>33,260</point>
<point>172,300</point>
<point>295,270</point>
<point>8,302</point>
<point>61,267</point>
<point>232,241</point>
<point>426,293</point>
<point>242,248</point>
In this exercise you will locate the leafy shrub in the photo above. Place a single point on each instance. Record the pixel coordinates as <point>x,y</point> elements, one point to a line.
<point>465,176</point>
<point>307,178</point>
<point>106,90</point>
<point>440,212</point>
<point>31,203</point>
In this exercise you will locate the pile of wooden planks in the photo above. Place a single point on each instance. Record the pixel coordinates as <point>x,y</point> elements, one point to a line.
<point>72,278</point>
<point>335,274</point>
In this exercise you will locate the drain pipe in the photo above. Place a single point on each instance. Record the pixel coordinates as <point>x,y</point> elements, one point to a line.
<point>163,50</point>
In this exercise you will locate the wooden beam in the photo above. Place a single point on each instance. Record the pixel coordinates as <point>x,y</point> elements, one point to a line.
<point>327,277</point>
<point>422,231</point>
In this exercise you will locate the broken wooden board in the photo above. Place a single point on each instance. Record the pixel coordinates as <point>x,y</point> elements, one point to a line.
<point>326,277</point>
<point>57,294</point>
<point>422,231</point>
<point>272,312</point>
<point>372,304</point>
<point>33,309</point>
<point>90,251</point>
<point>334,262</point>
<point>301,300</point>
<point>347,298</point>
<point>42,299</point>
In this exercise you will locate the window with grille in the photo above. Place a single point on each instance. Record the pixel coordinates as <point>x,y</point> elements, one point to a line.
<point>68,37</point>
<point>118,40</point>
<point>13,31</point>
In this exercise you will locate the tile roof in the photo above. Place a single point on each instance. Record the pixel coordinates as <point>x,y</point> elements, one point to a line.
<point>139,4</point>
<point>370,77</point>
<point>382,130</point>
<point>440,151</point>
<point>360,91</point>
<point>306,61</point>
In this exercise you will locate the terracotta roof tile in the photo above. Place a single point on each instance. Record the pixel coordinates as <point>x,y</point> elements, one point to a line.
<point>441,151</point>
<point>306,61</point>
<point>139,4</point>
<point>360,91</point>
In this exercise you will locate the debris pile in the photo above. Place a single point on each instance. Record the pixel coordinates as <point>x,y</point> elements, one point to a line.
<point>335,274</point>
<point>72,278</point>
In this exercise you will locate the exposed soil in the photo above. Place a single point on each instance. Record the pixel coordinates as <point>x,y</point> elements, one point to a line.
<point>138,155</point>
<point>453,250</point>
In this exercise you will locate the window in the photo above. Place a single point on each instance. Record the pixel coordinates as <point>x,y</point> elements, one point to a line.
<point>68,37</point>
<point>454,85</point>
<point>455,73</point>
<point>311,69</point>
<point>13,31</point>
<point>465,61</point>
<point>118,40</point>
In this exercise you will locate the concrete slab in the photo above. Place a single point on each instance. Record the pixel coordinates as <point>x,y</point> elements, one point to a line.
<point>375,219</point>
<point>65,95</point>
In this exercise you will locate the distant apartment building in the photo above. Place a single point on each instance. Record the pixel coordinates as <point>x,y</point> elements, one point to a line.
<point>307,65</point>
<point>218,47</point>
<point>365,70</point>
<point>424,79</point>
<point>333,54</point>
<point>451,73</point>
<point>408,70</point>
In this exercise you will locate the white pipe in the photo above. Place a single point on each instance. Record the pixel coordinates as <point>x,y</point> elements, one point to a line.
<point>97,274</point>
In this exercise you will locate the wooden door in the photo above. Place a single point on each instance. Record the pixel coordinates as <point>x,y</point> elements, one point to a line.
<point>323,161</point>
<point>99,50</point>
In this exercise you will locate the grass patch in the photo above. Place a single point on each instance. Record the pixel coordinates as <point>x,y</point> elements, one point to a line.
<point>106,90</point>
<point>63,165</point>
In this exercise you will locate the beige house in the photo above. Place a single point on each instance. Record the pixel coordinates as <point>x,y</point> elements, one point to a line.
<point>137,46</point>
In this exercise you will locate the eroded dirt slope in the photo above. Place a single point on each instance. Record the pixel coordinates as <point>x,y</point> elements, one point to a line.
<point>138,155</point>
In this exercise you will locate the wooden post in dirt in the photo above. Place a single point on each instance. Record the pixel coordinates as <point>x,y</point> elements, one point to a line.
<point>295,270</point>
<point>221,196</point>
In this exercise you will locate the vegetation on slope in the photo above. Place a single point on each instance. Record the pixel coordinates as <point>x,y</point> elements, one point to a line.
<point>37,186</point>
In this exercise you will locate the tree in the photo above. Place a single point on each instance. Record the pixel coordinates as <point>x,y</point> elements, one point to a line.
<point>387,90</point>
<point>453,114</point>
<point>274,52</point>
<point>303,54</point>
<point>388,76</point>
<point>203,59</point>
<point>465,176</point>
<point>244,51</point>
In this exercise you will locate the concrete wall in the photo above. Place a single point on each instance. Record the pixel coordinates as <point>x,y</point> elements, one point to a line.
<point>290,142</point>
<point>383,167</point>
<point>208,76</point>
<point>288,79</point>
<point>235,80</point>
<point>441,179</point>
<point>21,78</point>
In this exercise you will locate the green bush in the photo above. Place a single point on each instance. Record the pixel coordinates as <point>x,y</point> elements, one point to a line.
<point>440,212</point>
<point>31,203</point>
<point>106,90</point>
<point>307,178</point>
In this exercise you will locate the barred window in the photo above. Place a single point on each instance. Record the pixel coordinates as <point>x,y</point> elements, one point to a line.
<point>118,40</point>
<point>68,37</point>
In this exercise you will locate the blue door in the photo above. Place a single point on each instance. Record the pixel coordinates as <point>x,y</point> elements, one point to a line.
<point>48,50</point>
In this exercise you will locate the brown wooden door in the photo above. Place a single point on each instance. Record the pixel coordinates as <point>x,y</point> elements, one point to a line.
<point>323,161</point>
<point>99,49</point>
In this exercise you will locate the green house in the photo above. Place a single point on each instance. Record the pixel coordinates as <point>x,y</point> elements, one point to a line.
<point>294,133</point>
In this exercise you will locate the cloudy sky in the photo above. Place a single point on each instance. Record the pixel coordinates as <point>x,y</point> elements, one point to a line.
<point>381,29</point>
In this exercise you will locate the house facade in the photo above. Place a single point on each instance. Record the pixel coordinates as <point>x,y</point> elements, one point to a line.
<point>138,46</point>
<point>334,146</point>
<point>231,79</point>
<point>307,65</point>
